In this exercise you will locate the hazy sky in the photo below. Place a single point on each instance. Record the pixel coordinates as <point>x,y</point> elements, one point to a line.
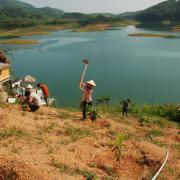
<point>89,6</point>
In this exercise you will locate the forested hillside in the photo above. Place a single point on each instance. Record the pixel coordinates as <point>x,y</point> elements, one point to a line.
<point>168,10</point>
<point>18,14</point>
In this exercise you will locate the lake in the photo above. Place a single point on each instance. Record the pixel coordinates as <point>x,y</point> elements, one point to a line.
<point>146,70</point>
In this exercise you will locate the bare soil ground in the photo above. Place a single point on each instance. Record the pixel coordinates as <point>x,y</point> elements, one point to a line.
<point>55,144</point>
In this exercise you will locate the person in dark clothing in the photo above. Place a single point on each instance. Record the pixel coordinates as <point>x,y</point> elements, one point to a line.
<point>125,107</point>
<point>84,108</point>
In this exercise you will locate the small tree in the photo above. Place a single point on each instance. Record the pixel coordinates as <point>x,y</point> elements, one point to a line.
<point>103,100</point>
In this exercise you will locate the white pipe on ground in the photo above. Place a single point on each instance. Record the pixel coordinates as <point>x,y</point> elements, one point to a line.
<point>162,166</point>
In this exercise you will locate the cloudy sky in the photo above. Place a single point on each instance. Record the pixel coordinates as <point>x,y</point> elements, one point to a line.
<point>89,6</point>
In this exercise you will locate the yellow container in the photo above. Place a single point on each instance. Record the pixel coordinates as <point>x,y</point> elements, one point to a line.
<point>4,72</point>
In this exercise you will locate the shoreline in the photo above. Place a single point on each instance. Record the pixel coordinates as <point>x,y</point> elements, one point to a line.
<point>10,36</point>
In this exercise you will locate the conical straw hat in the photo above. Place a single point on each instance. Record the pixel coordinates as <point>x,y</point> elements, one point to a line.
<point>91,82</point>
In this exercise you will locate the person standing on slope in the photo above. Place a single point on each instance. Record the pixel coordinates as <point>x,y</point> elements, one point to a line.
<point>87,90</point>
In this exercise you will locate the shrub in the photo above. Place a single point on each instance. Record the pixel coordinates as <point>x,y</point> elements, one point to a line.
<point>170,112</point>
<point>117,145</point>
<point>103,100</point>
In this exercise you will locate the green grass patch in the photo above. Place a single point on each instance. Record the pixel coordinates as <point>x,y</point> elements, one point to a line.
<point>75,133</point>
<point>13,133</point>
<point>65,169</point>
<point>110,111</point>
<point>155,133</point>
<point>117,145</point>
<point>65,115</point>
<point>156,113</point>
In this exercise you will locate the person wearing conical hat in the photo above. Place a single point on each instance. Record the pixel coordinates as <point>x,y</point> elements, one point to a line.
<point>29,87</point>
<point>87,90</point>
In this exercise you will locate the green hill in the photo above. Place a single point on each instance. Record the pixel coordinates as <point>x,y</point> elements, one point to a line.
<point>168,10</point>
<point>14,13</point>
<point>128,15</point>
<point>17,9</point>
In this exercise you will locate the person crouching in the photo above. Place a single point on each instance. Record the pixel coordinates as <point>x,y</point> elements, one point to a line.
<point>33,100</point>
<point>87,90</point>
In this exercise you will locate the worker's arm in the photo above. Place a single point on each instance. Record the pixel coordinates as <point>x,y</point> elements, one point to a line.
<point>81,85</point>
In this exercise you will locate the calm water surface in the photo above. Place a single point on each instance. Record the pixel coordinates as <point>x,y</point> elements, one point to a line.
<point>147,70</point>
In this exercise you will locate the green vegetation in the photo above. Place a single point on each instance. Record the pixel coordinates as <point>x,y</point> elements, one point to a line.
<point>167,10</point>
<point>38,30</point>
<point>112,174</point>
<point>170,112</point>
<point>117,145</point>
<point>89,28</point>
<point>155,133</point>
<point>103,100</point>
<point>77,133</point>
<point>165,15</point>
<point>13,133</point>
<point>15,14</point>
<point>167,36</point>
<point>104,25</point>
<point>64,169</point>
<point>167,115</point>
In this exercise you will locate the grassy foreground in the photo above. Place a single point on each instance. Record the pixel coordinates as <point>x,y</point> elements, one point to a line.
<point>53,143</point>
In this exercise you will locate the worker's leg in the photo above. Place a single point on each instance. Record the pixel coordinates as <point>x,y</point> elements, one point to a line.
<point>123,112</point>
<point>89,105</point>
<point>84,109</point>
<point>46,98</point>
<point>126,113</point>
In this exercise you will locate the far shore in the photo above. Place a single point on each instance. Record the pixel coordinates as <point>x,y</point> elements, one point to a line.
<point>19,42</point>
<point>167,36</point>
<point>10,36</point>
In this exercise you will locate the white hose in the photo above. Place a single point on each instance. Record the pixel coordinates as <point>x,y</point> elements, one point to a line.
<point>162,166</point>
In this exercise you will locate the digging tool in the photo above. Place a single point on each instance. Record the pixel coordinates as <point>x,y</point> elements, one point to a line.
<point>85,68</point>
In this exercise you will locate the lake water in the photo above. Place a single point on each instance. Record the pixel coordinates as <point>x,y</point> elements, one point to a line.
<point>146,70</point>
